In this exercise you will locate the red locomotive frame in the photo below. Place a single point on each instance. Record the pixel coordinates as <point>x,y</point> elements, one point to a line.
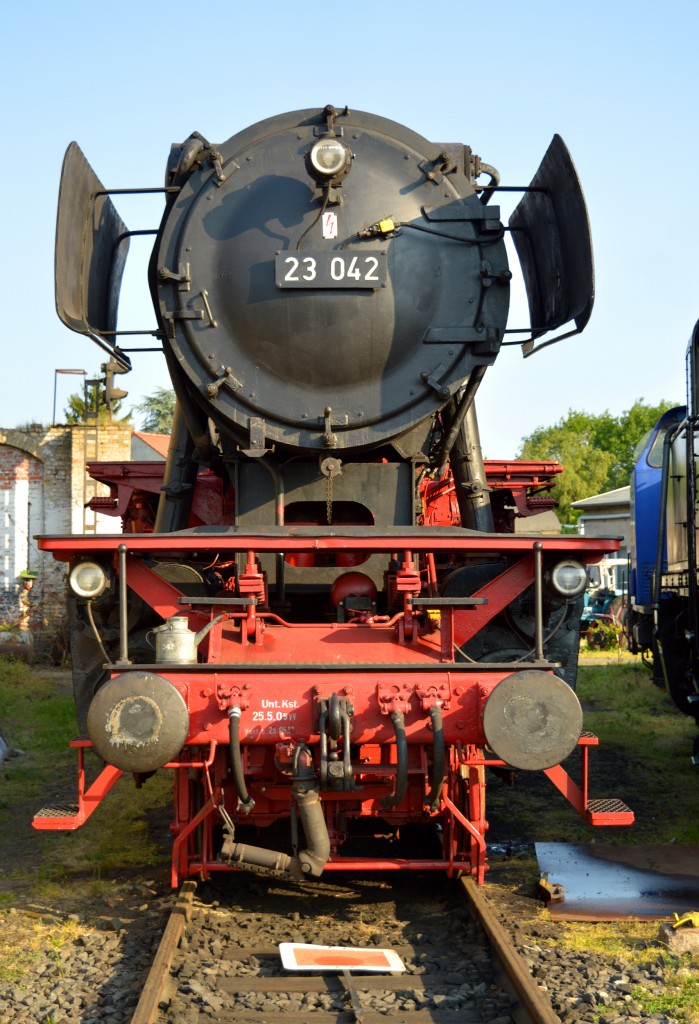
<point>406,665</point>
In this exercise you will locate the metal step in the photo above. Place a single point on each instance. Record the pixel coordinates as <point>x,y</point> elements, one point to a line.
<point>58,816</point>
<point>608,811</point>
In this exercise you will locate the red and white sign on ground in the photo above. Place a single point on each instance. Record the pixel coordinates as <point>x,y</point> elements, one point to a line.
<point>298,956</point>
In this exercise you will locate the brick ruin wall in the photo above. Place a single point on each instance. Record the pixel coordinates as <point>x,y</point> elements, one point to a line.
<point>43,490</point>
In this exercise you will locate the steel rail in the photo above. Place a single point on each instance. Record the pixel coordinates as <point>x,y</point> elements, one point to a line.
<point>535,1005</point>
<point>147,1006</point>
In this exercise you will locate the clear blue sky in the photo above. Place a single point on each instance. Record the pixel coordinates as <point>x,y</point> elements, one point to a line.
<point>618,81</point>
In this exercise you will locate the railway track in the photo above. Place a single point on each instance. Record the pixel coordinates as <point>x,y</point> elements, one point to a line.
<point>219,957</point>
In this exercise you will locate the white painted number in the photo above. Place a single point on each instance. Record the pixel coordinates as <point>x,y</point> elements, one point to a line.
<point>371,274</point>
<point>309,268</point>
<point>319,271</point>
<point>291,274</point>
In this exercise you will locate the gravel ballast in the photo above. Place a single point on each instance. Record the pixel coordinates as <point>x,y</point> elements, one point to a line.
<point>97,976</point>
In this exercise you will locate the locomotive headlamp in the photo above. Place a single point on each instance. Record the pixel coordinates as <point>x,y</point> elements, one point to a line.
<point>329,158</point>
<point>569,578</point>
<point>88,580</point>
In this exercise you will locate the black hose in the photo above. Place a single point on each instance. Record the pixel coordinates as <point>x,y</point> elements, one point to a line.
<point>398,794</point>
<point>237,759</point>
<point>439,759</point>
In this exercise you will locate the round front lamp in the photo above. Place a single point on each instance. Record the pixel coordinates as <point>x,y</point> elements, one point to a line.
<point>88,580</point>
<point>329,158</point>
<point>569,578</point>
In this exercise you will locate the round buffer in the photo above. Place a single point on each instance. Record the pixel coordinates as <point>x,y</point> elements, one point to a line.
<point>532,720</point>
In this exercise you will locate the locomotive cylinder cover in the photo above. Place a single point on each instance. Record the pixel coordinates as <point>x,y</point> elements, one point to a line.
<point>326,314</point>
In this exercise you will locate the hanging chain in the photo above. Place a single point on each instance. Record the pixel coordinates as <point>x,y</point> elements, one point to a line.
<point>329,501</point>
<point>330,468</point>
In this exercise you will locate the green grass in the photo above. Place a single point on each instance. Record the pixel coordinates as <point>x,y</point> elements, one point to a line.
<point>647,744</point>
<point>34,717</point>
<point>679,1000</point>
<point>636,942</point>
<point>26,937</point>
<point>37,716</point>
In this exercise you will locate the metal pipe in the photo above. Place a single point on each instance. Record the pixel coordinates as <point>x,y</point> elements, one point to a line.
<point>279,509</point>
<point>459,417</point>
<point>347,779</point>
<point>244,797</point>
<point>313,859</point>
<point>538,601</point>
<point>95,632</point>
<point>180,475</point>
<point>256,856</point>
<point>323,729</point>
<point>398,794</point>
<point>468,471</point>
<point>439,758</point>
<point>123,608</point>
<point>309,862</point>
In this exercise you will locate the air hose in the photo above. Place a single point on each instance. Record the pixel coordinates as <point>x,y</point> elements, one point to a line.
<point>237,760</point>
<point>439,759</point>
<point>398,794</point>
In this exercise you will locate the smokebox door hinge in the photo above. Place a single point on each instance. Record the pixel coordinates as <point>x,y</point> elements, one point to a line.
<point>433,380</point>
<point>257,439</point>
<point>227,380</point>
<point>190,313</point>
<point>182,277</point>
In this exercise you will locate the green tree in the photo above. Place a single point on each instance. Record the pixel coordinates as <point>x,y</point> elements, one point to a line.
<point>157,411</point>
<point>596,451</point>
<point>83,405</point>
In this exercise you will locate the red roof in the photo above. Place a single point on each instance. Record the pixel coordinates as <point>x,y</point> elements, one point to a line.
<point>158,442</point>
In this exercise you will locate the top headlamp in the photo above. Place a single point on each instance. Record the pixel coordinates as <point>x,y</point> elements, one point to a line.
<point>329,158</point>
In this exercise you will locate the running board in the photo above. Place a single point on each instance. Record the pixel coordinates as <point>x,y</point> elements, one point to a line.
<point>68,817</point>
<point>608,812</point>
<point>58,816</point>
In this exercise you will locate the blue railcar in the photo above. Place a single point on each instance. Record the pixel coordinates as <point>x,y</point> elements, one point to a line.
<point>662,619</point>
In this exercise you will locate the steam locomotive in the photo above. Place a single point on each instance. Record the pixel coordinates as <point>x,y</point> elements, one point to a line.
<point>319,652</point>
<point>662,619</point>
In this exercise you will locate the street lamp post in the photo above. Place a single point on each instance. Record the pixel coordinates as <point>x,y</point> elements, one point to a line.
<point>55,382</point>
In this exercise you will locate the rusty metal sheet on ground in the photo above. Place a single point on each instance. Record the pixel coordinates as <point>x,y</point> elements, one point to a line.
<point>605,883</point>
